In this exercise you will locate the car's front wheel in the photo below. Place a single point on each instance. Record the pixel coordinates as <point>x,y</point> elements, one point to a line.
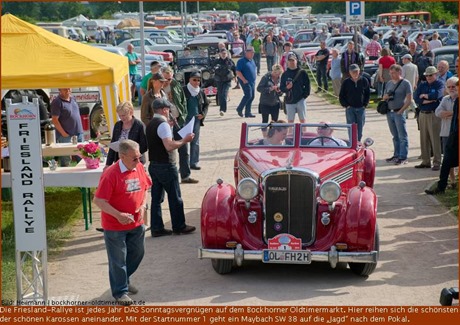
<point>222,266</point>
<point>365,269</point>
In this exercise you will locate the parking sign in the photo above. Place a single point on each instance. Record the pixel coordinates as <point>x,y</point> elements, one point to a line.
<point>355,12</point>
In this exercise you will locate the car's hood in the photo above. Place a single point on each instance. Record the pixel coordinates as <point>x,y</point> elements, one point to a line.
<point>319,160</point>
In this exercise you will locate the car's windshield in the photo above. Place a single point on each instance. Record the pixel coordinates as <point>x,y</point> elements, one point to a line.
<point>189,57</point>
<point>318,135</point>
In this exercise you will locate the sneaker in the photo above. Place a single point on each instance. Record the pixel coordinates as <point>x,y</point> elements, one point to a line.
<point>162,232</point>
<point>221,113</point>
<point>185,230</point>
<point>435,168</point>
<point>240,114</point>
<point>195,167</point>
<point>125,300</point>
<point>147,228</point>
<point>100,229</point>
<point>391,160</point>
<point>250,116</point>
<point>132,289</point>
<point>189,180</point>
<point>401,161</point>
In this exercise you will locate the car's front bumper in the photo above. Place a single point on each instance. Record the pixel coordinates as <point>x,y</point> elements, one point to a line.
<point>332,256</point>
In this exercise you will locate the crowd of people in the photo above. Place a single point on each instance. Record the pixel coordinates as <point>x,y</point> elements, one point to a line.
<point>406,82</point>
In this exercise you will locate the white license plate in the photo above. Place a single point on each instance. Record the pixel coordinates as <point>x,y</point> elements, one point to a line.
<point>286,257</point>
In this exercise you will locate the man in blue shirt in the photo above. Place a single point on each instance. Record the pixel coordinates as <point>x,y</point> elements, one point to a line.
<point>246,71</point>
<point>427,96</point>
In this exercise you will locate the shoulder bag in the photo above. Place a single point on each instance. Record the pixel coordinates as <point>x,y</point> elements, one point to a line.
<point>382,106</point>
<point>283,101</point>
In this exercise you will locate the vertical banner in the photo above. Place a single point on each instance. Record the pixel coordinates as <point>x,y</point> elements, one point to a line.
<point>26,175</point>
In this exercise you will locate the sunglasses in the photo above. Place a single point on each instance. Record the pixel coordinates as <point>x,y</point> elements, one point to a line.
<point>429,75</point>
<point>195,80</point>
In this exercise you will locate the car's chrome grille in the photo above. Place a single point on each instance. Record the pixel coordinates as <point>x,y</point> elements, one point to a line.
<point>290,204</point>
<point>342,177</point>
<point>243,173</point>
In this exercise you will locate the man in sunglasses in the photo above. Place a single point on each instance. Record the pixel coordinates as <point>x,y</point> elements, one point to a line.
<point>122,198</point>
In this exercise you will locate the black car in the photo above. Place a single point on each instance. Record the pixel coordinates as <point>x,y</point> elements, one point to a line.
<point>188,61</point>
<point>448,53</point>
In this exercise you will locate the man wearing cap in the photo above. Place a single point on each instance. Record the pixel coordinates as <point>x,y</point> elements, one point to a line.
<point>246,71</point>
<point>197,107</point>
<point>325,137</point>
<point>225,71</point>
<point>428,96</point>
<point>155,67</point>
<point>296,85</point>
<point>410,73</point>
<point>163,171</point>
<point>354,96</point>
<point>154,90</point>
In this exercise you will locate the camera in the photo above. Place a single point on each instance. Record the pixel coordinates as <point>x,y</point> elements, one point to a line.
<point>447,296</point>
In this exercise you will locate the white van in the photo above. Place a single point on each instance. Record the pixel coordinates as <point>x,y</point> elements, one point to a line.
<point>67,32</point>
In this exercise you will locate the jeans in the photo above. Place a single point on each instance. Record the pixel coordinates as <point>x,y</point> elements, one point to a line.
<point>195,144</point>
<point>249,94</point>
<point>125,250</point>
<point>270,62</point>
<point>64,161</point>
<point>397,125</point>
<point>356,115</point>
<point>321,76</point>
<point>184,166</point>
<point>257,61</point>
<point>166,178</point>
<point>222,91</point>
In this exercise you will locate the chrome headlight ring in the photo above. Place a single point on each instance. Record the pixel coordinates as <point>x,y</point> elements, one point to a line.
<point>247,188</point>
<point>179,76</point>
<point>206,75</point>
<point>330,191</point>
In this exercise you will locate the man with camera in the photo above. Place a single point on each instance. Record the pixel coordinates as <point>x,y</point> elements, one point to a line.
<point>398,94</point>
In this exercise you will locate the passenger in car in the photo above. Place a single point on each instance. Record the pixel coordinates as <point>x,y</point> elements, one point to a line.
<point>325,137</point>
<point>276,134</point>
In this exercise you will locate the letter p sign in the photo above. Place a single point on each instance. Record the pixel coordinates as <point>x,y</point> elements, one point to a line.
<point>355,8</point>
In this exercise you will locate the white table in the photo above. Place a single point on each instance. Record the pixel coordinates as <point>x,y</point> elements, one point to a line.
<point>78,176</point>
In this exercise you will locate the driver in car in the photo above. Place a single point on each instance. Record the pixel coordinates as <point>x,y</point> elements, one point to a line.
<point>325,138</point>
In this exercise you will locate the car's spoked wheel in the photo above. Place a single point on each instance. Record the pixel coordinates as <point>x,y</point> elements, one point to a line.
<point>365,269</point>
<point>222,266</point>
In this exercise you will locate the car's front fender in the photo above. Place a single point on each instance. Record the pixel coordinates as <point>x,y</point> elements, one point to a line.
<point>361,218</point>
<point>216,211</point>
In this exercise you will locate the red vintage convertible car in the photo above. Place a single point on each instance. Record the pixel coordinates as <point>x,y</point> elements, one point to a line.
<point>303,193</point>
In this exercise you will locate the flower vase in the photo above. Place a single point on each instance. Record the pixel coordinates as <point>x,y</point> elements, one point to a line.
<point>92,163</point>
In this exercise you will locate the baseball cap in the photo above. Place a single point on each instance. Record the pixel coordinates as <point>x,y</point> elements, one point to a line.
<point>158,76</point>
<point>430,71</point>
<point>291,56</point>
<point>353,67</point>
<point>407,56</point>
<point>160,103</point>
<point>195,74</point>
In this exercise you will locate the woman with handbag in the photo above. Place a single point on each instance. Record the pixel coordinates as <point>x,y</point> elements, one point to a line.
<point>225,71</point>
<point>268,87</point>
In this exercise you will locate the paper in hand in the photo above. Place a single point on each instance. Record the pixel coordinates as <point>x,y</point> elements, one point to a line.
<point>114,146</point>
<point>187,129</point>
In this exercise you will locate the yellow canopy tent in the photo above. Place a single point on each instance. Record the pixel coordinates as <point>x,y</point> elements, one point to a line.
<point>33,58</point>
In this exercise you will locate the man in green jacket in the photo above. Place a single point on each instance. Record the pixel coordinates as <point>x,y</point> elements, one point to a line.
<point>176,96</point>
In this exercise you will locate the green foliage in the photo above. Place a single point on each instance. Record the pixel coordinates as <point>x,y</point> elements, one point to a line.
<point>63,209</point>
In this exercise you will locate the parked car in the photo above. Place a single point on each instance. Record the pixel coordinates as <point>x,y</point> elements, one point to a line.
<point>188,61</point>
<point>294,202</point>
<point>168,48</point>
<point>448,53</point>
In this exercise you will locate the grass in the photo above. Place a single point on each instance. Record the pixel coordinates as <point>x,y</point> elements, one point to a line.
<point>449,198</point>
<point>63,208</point>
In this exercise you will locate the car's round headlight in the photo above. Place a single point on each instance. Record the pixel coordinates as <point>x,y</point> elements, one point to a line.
<point>179,76</point>
<point>247,188</point>
<point>330,191</point>
<point>206,75</point>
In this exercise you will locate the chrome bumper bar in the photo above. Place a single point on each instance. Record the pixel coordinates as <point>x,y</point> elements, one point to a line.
<point>332,256</point>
